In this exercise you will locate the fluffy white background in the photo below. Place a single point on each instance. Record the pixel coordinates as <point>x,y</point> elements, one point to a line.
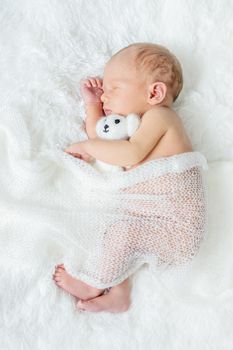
<point>46,47</point>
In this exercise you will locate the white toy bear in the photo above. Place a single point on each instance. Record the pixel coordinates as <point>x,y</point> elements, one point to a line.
<point>115,127</point>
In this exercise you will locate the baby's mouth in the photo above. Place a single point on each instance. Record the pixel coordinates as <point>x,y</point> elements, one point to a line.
<point>107,111</point>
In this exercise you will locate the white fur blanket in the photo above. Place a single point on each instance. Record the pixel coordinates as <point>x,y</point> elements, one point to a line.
<point>46,47</point>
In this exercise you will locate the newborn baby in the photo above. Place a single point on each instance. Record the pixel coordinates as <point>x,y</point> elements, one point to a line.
<point>145,79</point>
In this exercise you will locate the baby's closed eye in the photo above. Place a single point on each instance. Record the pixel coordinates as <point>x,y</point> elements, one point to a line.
<point>110,89</point>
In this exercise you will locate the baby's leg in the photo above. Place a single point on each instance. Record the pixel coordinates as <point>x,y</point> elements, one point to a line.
<point>74,286</point>
<point>113,259</point>
<point>116,300</point>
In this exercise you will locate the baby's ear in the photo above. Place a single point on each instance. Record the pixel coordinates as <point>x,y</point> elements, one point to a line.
<point>156,93</point>
<point>133,122</point>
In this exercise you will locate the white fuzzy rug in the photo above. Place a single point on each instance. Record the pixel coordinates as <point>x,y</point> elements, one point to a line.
<point>46,47</point>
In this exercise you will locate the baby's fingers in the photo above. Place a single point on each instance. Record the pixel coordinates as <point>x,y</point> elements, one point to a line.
<point>99,82</point>
<point>85,82</point>
<point>92,82</point>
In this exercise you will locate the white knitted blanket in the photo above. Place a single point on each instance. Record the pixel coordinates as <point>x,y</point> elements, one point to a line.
<point>154,214</point>
<point>46,47</point>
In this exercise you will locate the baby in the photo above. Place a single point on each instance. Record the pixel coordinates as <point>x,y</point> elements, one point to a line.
<point>145,79</point>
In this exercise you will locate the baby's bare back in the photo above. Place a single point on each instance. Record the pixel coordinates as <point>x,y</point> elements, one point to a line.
<point>174,141</point>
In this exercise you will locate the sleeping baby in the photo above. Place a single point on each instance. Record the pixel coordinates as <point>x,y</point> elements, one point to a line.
<point>145,79</point>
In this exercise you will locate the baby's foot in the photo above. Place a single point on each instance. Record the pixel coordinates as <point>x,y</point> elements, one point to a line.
<point>74,286</point>
<point>111,302</point>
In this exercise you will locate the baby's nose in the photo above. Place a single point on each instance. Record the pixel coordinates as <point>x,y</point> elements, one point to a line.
<point>103,97</point>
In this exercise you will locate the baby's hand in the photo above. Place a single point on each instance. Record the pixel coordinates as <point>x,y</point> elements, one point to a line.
<point>91,89</point>
<point>76,150</point>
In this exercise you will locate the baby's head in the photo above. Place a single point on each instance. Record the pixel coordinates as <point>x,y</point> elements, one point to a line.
<point>140,77</point>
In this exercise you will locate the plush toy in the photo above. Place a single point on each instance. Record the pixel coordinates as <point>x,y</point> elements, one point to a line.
<point>115,127</point>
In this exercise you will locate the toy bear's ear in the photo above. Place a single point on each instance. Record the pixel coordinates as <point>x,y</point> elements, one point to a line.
<point>133,122</point>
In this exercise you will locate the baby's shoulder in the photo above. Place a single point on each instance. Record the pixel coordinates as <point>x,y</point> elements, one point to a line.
<point>162,115</point>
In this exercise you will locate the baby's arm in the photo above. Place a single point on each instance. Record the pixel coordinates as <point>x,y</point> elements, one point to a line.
<point>93,113</point>
<point>153,126</point>
<point>91,91</point>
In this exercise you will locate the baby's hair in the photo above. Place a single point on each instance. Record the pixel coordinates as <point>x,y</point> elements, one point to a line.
<point>160,63</point>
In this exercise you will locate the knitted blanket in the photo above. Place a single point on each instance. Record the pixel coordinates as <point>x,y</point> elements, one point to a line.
<point>46,47</point>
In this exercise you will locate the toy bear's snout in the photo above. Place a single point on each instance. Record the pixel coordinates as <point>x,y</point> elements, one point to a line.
<point>117,127</point>
<point>106,128</point>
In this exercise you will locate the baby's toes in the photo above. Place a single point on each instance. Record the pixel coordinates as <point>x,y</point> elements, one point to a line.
<point>57,279</point>
<point>58,283</point>
<point>58,271</point>
<point>57,276</point>
<point>61,265</point>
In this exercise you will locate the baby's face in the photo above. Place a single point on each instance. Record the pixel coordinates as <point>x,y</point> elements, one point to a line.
<point>124,90</point>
